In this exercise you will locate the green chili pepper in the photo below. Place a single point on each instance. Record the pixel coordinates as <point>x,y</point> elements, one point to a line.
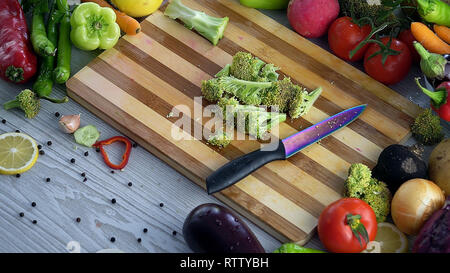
<point>39,40</point>
<point>294,248</point>
<point>44,82</point>
<point>94,27</point>
<point>434,11</point>
<point>265,4</point>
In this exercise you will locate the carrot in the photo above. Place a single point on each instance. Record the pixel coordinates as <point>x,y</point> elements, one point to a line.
<point>443,32</point>
<point>127,24</point>
<point>428,39</point>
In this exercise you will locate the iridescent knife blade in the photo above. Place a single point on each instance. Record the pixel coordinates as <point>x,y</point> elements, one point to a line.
<point>241,167</point>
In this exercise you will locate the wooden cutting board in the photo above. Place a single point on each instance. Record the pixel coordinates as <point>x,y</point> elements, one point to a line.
<point>136,85</point>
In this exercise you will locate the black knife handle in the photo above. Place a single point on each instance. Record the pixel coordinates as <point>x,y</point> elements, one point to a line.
<point>241,167</point>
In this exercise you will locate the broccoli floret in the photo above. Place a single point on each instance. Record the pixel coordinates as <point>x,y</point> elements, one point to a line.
<point>212,28</point>
<point>279,95</point>
<point>249,68</point>
<point>219,139</point>
<point>27,101</point>
<point>211,90</point>
<point>427,128</point>
<point>302,101</point>
<point>361,185</point>
<point>269,73</point>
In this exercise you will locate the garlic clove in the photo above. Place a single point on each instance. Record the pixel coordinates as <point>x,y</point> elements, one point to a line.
<point>69,124</point>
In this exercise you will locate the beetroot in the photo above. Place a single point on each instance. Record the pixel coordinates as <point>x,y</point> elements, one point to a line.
<point>434,237</point>
<point>311,18</point>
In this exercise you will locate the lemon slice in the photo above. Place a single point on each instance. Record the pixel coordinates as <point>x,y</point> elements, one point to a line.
<point>18,153</point>
<point>390,239</point>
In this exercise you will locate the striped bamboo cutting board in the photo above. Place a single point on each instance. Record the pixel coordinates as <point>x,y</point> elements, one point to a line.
<point>135,86</point>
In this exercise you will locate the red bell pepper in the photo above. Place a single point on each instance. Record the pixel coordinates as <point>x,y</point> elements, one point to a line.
<point>125,157</point>
<point>17,61</point>
<point>439,99</point>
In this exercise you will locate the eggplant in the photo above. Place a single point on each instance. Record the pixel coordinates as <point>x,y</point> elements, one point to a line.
<point>434,236</point>
<point>398,164</point>
<point>211,228</point>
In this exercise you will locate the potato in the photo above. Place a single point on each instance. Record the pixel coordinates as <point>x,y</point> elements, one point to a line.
<point>439,166</point>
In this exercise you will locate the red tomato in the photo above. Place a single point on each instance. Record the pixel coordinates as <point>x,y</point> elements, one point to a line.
<point>334,225</point>
<point>394,69</point>
<point>407,37</point>
<point>344,36</point>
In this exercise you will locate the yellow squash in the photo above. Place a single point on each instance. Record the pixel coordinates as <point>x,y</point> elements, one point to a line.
<point>137,8</point>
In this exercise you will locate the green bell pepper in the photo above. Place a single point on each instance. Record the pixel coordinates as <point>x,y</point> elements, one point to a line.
<point>94,27</point>
<point>265,4</point>
<point>294,248</point>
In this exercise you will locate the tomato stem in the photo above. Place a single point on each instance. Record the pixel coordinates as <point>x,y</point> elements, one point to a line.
<point>358,228</point>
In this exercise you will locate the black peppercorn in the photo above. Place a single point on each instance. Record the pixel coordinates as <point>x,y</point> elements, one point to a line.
<point>78,219</point>
<point>83,174</point>
<point>49,143</point>
<point>86,153</point>
<point>39,146</point>
<point>112,171</point>
<point>130,184</point>
<point>161,205</point>
<point>97,150</point>
<point>18,175</point>
<point>41,152</point>
<point>17,131</point>
<point>34,222</point>
<point>85,179</point>
<point>113,239</point>
<point>145,230</point>
<point>113,201</point>
<point>57,114</point>
<point>72,160</point>
<point>33,204</point>
<point>21,214</point>
<point>174,233</point>
<point>135,145</point>
<point>139,240</point>
<point>48,179</point>
<point>3,121</point>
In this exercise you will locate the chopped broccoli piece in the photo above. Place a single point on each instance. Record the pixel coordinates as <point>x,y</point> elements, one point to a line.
<point>269,73</point>
<point>250,119</point>
<point>361,185</point>
<point>212,28</point>
<point>246,67</point>
<point>224,72</point>
<point>279,95</point>
<point>247,92</point>
<point>219,139</point>
<point>427,128</point>
<point>302,101</point>
<point>211,90</point>
<point>27,101</point>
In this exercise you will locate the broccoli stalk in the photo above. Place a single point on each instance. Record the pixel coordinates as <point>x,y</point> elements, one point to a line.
<point>361,185</point>
<point>212,28</point>
<point>27,101</point>
<point>427,128</point>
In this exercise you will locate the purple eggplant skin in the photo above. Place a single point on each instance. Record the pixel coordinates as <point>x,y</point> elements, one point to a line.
<point>211,228</point>
<point>434,236</point>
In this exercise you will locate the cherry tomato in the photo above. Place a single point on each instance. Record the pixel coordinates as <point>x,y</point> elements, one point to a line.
<point>344,35</point>
<point>336,222</point>
<point>407,37</point>
<point>394,69</point>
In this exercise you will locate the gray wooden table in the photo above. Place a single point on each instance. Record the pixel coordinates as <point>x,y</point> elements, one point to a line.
<point>66,197</point>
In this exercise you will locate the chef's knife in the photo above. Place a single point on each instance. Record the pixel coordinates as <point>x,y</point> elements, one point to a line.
<point>241,167</point>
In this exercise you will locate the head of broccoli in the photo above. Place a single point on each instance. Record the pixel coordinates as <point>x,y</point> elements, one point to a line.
<point>211,90</point>
<point>361,185</point>
<point>212,28</point>
<point>427,128</point>
<point>27,101</point>
<point>302,101</point>
<point>279,95</point>
<point>246,67</point>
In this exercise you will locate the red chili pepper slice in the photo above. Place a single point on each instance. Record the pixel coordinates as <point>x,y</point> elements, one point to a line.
<point>125,156</point>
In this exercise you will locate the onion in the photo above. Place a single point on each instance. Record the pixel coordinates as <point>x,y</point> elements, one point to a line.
<point>413,204</point>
